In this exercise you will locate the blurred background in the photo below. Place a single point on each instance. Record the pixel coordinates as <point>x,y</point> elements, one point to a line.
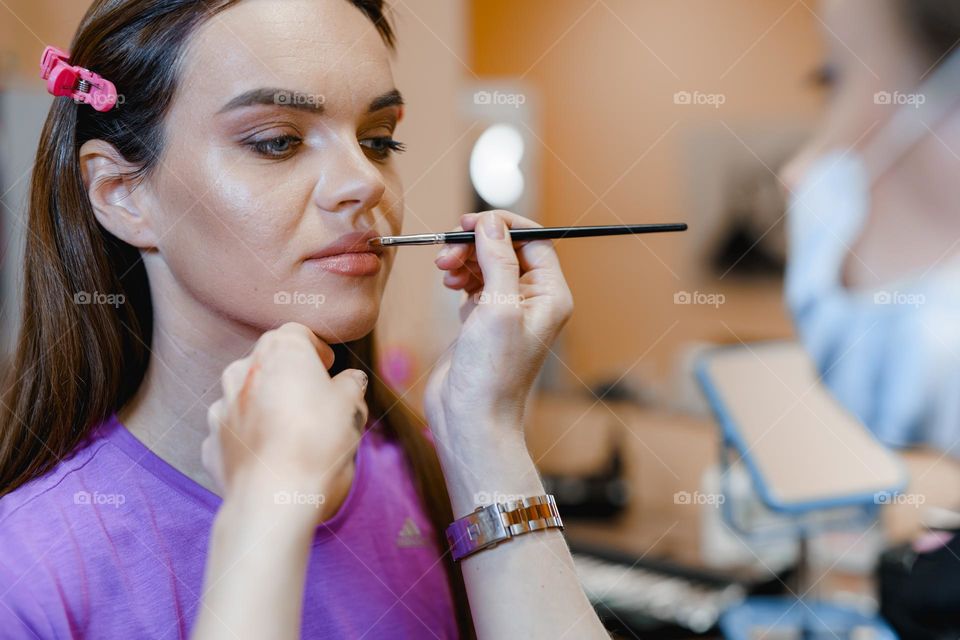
<point>580,112</point>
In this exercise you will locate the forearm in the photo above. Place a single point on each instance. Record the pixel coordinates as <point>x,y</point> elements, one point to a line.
<point>526,586</point>
<point>256,567</point>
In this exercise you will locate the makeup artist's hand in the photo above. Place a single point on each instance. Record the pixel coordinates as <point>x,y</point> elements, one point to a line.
<point>475,400</point>
<point>284,424</point>
<point>517,303</point>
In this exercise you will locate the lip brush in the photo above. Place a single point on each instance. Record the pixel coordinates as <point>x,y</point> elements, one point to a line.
<point>539,233</point>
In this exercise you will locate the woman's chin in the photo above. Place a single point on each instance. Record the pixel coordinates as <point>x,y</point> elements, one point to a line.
<point>339,336</point>
<point>334,318</point>
<point>340,327</point>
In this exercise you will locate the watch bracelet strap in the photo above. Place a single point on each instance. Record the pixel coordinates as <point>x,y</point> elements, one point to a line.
<point>492,524</point>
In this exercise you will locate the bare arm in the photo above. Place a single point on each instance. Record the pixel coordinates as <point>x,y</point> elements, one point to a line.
<point>525,587</point>
<point>280,476</point>
<point>517,303</point>
<point>254,580</point>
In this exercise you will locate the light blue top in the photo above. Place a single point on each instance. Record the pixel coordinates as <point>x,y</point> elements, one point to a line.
<point>891,355</point>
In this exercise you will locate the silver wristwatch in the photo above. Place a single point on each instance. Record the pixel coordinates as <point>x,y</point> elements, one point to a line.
<point>492,524</point>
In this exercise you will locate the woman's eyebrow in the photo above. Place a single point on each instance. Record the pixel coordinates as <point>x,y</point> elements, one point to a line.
<point>302,100</point>
<point>391,98</point>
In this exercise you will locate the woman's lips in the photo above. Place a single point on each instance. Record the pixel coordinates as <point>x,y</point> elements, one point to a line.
<point>350,264</point>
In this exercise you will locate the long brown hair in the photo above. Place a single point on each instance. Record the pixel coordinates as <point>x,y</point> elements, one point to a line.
<point>75,364</point>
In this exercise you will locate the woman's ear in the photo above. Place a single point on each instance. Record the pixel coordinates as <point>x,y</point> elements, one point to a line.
<point>117,203</point>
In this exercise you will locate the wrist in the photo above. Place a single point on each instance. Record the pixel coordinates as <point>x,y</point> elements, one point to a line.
<point>289,500</point>
<point>473,431</point>
<point>489,411</point>
<point>488,418</point>
<point>274,535</point>
<point>485,470</point>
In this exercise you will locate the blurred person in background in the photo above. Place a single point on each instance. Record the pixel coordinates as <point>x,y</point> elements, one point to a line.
<point>873,276</point>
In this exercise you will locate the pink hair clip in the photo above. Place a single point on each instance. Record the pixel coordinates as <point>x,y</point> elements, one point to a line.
<point>75,82</point>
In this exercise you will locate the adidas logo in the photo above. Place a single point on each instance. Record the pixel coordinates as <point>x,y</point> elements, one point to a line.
<point>409,535</point>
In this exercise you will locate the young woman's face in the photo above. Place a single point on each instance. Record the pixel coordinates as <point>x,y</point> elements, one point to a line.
<point>277,146</point>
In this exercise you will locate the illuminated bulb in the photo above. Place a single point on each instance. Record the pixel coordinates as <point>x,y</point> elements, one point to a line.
<point>495,165</point>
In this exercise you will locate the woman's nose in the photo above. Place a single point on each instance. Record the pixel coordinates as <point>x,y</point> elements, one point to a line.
<point>349,183</point>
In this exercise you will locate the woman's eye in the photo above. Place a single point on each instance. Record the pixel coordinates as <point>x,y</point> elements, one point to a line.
<point>824,76</point>
<point>278,147</point>
<point>381,147</point>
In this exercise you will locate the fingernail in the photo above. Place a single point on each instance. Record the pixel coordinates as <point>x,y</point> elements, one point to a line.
<point>492,226</point>
<point>443,254</point>
<point>363,380</point>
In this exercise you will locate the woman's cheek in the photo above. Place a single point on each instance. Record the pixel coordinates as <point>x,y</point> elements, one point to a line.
<point>228,256</point>
<point>393,201</point>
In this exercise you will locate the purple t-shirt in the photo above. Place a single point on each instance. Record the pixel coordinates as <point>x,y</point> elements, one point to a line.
<point>112,543</point>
